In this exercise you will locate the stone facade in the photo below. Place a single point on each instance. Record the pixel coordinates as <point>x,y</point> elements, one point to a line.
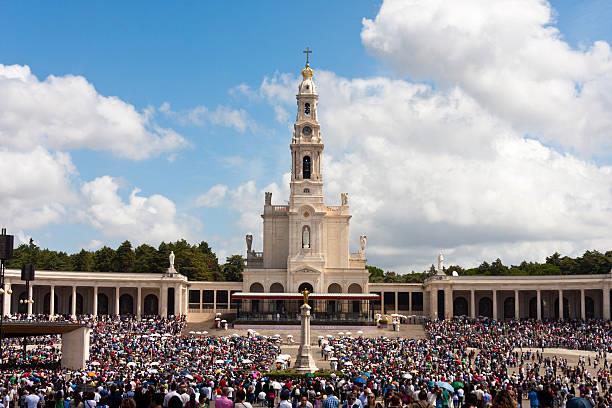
<point>306,242</point>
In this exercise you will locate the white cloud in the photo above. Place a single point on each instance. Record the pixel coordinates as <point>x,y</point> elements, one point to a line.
<point>509,57</point>
<point>36,188</point>
<point>237,119</point>
<point>213,197</point>
<point>141,219</point>
<point>429,170</point>
<point>66,112</point>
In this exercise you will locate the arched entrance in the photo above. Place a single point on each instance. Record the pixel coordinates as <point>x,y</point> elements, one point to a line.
<point>305,285</point>
<point>509,308</point>
<point>533,308</point>
<point>460,306</point>
<point>102,304</point>
<point>356,304</point>
<point>151,305</point>
<point>589,306</point>
<point>255,288</point>
<point>79,304</point>
<point>47,304</point>
<point>333,306</point>
<point>126,304</point>
<point>279,306</point>
<point>485,307</point>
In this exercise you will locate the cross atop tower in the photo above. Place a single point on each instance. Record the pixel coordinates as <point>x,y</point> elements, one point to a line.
<point>307,51</point>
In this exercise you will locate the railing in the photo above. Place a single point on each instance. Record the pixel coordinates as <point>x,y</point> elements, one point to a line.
<point>280,208</point>
<point>255,259</point>
<point>334,208</point>
<point>295,317</point>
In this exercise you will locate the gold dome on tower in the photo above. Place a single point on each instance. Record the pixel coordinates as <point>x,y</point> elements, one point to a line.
<point>307,72</point>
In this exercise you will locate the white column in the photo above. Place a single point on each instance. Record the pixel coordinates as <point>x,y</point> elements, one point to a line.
<point>494,304</point>
<point>606,302</point>
<point>186,304</point>
<point>517,310</point>
<point>582,305</point>
<point>139,304</point>
<point>30,298</point>
<point>7,299</point>
<point>201,299</point>
<point>73,306</point>
<point>539,303</point>
<point>396,302</point>
<point>433,304</point>
<point>410,302</point>
<point>117,292</point>
<point>215,301</point>
<point>178,300</point>
<point>52,302</point>
<point>163,295</point>
<point>472,304</point>
<point>448,303</point>
<point>95,301</point>
<point>382,303</point>
<point>560,304</point>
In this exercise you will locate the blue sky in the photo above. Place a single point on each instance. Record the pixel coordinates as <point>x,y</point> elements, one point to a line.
<point>190,54</point>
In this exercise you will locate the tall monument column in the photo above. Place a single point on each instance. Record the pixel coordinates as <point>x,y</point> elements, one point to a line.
<point>304,362</point>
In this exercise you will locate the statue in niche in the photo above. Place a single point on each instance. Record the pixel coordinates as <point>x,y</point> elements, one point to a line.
<point>363,242</point>
<point>249,242</point>
<point>268,198</point>
<point>306,237</point>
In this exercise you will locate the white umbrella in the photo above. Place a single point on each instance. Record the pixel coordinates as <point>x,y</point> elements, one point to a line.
<point>219,361</point>
<point>198,333</point>
<point>290,336</point>
<point>223,321</point>
<point>348,364</point>
<point>333,359</point>
<point>340,333</point>
<point>95,363</point>
<point>247,361</point>
<point>348,333</point>
<point>152,371</point>
<point>155,363</point>
<point>359,331</point>
<point>328,348</point>
<point>131,364</point>
<point>407,376</point>
<point>329,336</point>
<point>204,332</point>
<point>189,376</point>
<point>192,332</point>
<point>319,337</point>
<point>284,356</point>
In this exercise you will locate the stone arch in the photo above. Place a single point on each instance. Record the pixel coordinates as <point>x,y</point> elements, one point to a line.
<point>355,288</point>
<point>277,288</point>
<point>334,288</point>
<point>589,307</point>
<point>79,304</point>
<point>533,308</point>
<point>102,304</point>
<point>305,285</point>
<point>460,306</point>
<point>509,308</point>
<point>256,288</point>
<point>47,303</point>
<point>126,304</point>
<point>151,305</point>
<point>485,307</point>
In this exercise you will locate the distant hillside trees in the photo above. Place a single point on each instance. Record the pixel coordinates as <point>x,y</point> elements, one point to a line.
<point>591,262</point>
<point>197,262</point>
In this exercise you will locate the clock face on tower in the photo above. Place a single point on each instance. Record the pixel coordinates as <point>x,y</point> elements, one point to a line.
<point>307,131</point>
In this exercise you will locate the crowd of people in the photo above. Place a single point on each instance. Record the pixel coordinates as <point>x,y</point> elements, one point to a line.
<point>155,362</point>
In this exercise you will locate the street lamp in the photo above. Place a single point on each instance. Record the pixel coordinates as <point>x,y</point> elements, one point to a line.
<point>6,253</point>
<point>27,275</point>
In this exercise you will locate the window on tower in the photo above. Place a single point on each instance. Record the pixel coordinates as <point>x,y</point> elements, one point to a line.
<point>307,108</point>
<point>306,167</point>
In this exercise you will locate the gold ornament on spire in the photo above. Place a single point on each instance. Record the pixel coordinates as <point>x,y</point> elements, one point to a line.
<point>307,72</point>
<point>305,293</point>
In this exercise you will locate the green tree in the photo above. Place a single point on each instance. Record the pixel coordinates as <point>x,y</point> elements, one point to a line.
<point>232,268</point>
<point>376,274</point>
<point>83,261</point>
<point>103,259</point>
<point>146,260</point>
<point>124,258</point>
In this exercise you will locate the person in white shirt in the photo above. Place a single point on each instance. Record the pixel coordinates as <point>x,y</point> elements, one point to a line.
<point>32,400</point>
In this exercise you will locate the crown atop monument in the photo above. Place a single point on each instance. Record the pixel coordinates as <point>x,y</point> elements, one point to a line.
<point>307,86</point>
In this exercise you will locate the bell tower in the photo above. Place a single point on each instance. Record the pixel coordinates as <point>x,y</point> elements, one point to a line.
<point>306,144</point>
